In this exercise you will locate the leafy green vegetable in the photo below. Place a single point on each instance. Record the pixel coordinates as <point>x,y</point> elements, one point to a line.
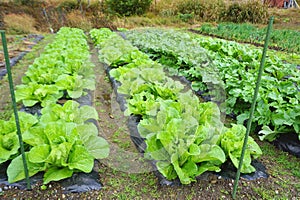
<point>236,65</point>
<point>283,39</point>
<point>109,53</point>
<point>101,35</point>
<point>69,112</point>
<point>15,170</point>
<point>56,174</point>
<point>60,141</point>
<point>34,93</point>
<point>232,142</point>
<point>62,146</point>
<point>182,135</point>
<point>9,145</point>
<point>74,85</point>
<point>9,142</point>
<point>179,141</point>
<point>64,66</point>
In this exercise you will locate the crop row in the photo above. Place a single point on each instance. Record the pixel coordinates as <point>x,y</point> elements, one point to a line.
<point>63,69</point>
<point>277,109</point>
<point>184,137</point>
<point>287,40</point>
<point>58,142</point>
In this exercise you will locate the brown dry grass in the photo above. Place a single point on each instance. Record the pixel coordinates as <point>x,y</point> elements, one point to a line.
<point>150,20</point>
<point>19,24</point>
<point>165,7</point>
<point>77,20</point>
<point>286,18</point>
<point>58,2</point>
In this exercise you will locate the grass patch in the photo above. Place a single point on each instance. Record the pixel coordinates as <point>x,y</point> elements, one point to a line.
<point>285,163</point>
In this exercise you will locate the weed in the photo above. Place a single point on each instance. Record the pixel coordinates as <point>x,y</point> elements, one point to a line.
<point>102,110</point>
<point>224,191</point>
<point>265,194</point>
<point>117,141</point>
<point>98,103</point>
<point>125,145</point>
<point>116,134</point>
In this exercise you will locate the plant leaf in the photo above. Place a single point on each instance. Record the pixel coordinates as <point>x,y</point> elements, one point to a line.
<point>56,174</point>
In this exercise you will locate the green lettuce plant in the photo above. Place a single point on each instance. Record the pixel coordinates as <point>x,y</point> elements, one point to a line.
<point>60,142</point>
<point>232,142</point>
<point>64,67</point>
<point>182,135</point>
<point>9,142</point>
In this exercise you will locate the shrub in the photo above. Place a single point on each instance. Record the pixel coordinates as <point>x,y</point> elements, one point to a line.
<point>19,24</point>
<point>256,12</point>
<point>202,9</point>
<point>253,11</point>
<point>127,7</point>
<point>25,2</point>
<point>214,10</point>
<point>233,13</point>
<point>165,8</point>
<point>195,7</point>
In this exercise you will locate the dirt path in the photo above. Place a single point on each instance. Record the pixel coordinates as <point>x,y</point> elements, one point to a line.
<point>113,125</point>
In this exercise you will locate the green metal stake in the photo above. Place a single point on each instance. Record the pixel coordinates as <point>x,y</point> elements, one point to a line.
<point>261,68</point>
<point>11,86</point>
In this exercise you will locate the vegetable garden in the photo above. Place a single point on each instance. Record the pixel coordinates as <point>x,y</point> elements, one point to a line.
<point>280,39</point>
<point>277,109</point>
<point>188,97</point>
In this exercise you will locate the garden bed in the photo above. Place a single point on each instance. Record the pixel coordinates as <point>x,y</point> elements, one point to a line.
<point>60,134</point>
<point>236,66</point>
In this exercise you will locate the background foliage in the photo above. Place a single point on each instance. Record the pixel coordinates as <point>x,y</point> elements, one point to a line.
<point>127,7</point>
